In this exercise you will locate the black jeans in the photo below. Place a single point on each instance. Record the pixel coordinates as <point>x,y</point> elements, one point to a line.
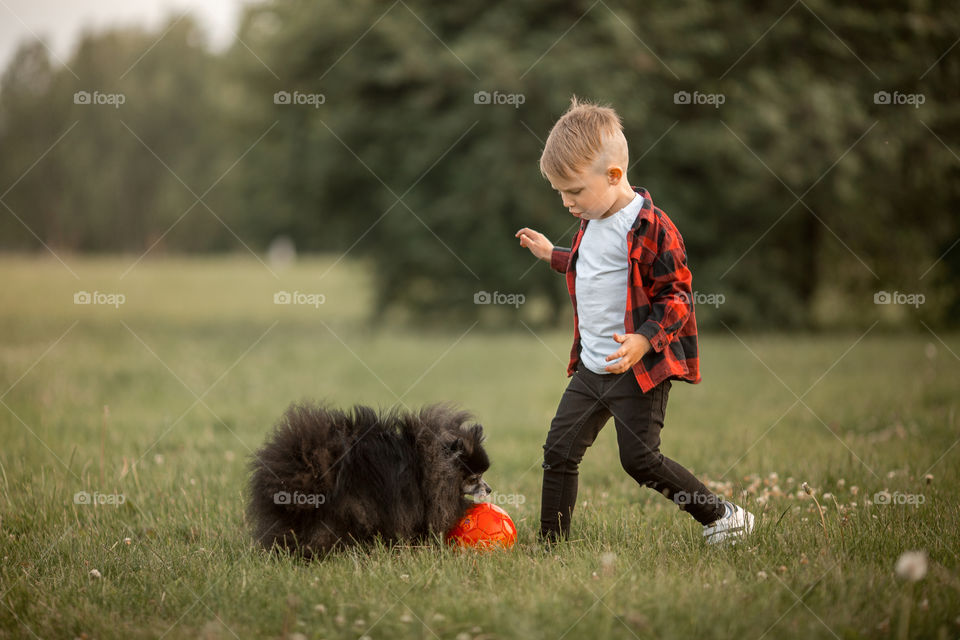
<point>586,406</point>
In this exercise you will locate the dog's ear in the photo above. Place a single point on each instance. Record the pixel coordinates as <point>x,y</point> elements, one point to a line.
<point>476,432</point>
<point>456,446</point>
<point>453,442</point>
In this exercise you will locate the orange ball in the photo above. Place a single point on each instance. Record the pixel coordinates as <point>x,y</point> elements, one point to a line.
<point>484,525</point>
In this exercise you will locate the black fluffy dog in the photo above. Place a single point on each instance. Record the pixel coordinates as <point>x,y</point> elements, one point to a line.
<point>327,478</point>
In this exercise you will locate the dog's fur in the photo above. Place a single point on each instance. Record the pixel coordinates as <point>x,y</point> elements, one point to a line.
<point>326,478</point>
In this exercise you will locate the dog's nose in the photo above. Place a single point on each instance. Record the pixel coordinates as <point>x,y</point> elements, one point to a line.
<point>485,488</point>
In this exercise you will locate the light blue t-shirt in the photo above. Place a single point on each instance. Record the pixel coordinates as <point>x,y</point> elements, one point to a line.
<point>602,266</point>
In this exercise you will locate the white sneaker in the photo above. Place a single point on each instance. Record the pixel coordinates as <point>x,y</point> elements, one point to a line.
<point>736,523</point>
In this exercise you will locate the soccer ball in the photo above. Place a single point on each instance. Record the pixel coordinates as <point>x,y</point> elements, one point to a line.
<point>484,525</point>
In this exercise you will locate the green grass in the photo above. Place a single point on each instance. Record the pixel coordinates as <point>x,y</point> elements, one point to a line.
<point>877,412</point>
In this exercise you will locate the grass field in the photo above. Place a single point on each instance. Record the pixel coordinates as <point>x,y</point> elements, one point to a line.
<point>160,400</point>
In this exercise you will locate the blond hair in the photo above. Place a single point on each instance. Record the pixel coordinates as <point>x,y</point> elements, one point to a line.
<point>586,135</point>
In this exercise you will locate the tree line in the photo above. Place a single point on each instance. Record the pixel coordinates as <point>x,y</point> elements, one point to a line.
<point>808,152</point>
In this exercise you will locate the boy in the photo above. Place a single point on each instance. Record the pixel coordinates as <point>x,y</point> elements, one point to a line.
<point>634,328</point>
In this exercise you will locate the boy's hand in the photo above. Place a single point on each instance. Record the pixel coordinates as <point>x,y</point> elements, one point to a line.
<point>536,242</point>
<point>633,346</point>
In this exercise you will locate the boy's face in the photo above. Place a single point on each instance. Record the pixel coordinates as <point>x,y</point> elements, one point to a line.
<point>591,193</point>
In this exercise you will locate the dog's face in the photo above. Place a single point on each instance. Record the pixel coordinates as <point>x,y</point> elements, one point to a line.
<point>476,487</point>
<point>473,462</point>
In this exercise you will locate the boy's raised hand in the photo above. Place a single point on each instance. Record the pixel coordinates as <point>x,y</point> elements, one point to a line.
<point>536,242</point>
<point>633,346</point>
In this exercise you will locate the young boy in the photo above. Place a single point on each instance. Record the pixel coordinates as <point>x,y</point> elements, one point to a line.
<point>634,328</point>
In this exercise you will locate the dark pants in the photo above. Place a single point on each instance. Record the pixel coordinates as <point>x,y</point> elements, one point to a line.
<point>589,401</point>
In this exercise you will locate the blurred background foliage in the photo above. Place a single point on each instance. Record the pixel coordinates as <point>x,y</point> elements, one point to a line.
<point>799,197</point>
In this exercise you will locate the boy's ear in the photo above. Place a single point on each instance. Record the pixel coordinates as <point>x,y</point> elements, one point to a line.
<point>614,174</point>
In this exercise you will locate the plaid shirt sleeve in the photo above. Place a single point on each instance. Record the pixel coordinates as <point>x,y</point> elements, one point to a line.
<point>560,259</point>
<point>666,284</point>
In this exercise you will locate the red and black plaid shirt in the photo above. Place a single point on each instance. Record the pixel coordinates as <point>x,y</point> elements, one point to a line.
<point>659,297</point>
